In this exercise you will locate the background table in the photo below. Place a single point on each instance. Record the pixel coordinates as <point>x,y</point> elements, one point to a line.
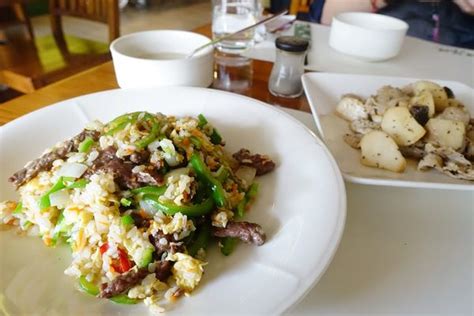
<point>404,251</point>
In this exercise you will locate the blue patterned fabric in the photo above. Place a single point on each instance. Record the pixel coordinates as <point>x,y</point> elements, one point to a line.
<point>455,27</point>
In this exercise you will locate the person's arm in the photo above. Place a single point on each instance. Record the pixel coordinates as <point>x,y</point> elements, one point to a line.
<point>333,7</point>
<point>466,6</point>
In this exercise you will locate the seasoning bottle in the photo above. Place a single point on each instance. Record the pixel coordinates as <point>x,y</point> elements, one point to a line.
<point>285,79</point>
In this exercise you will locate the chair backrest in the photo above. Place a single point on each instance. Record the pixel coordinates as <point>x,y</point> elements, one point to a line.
<point>105,11</point>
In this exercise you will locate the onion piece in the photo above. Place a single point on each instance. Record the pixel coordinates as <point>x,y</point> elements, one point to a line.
<point>177,172</point>
<point>72,169</point>
<point>247,174</point>
<point>147,208</point>
<point>60,199</point>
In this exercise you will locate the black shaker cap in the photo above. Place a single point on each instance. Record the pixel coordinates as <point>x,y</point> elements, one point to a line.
<point>291,43</point>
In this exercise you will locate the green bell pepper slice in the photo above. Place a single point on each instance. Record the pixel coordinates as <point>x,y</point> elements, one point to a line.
<point>222,174</point>
<point>202,121</point>
<point>195,141</point>
<point>86,145</point>
<point>228,245</point>
<point>147,258</point>
<point>216,138</point>
<point>150,189</point>
<point>123,299</point>
<point>247,200</point>
<point>125,202</point>
<point>18,209</point>
<point>127,220</point>
<point>44,201</point>
<point>120,122</point>
<point>93,290</point>
<point>201,241</point>
<point>169,208</point>
<point>202,171</point>
<point>79,184</point>
<point>155,130</point>
<point>88,287</point>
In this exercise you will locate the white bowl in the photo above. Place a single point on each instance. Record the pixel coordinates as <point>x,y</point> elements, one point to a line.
<point>158,58</point>
<point>367,36</point>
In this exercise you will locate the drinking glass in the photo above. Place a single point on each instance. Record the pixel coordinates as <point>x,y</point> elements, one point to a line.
<point>229,16</point>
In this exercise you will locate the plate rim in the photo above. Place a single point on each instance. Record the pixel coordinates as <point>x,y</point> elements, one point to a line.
<point>367,180</point>
<point>341,205</point>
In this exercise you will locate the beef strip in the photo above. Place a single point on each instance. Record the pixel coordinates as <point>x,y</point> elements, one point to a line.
<point>262,163</point>
<point>140,221</point>
<point>150,176</point>
<point>123,283</point>
<point>45,162</point>
<point>170,246</point>
<point>163,270</point>
<point>247,232</point>
<point>163,267</point>
<point>140,157</point>
<point>107,161</point>
<point>121,170</point>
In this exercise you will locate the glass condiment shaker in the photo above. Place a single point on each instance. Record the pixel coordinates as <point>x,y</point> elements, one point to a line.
<point>285,79</point>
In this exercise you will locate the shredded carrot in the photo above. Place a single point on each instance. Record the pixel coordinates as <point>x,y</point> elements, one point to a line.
<point>186,141</point>
<point>196,132</point>
<point>47,240</point>
<point>11,222</point>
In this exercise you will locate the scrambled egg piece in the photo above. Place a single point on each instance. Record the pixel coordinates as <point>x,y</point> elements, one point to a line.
<point>187,271</point>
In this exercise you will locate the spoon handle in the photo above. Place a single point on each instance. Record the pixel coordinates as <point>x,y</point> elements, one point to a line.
<point>217,40</point>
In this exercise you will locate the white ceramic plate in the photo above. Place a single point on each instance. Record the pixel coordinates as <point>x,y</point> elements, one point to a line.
<point>324,90</point>
<point>301,206</point>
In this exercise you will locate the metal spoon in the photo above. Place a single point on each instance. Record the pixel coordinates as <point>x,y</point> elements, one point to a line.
<point>217,40</point>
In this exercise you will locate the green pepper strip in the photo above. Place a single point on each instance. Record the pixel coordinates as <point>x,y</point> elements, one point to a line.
<point>79,184</point>
<point>222,174</point>
<point>150,189</point>
<point>155,129</point>
<point>92,289</point>
<point>127,220</point>
<point>123,299</point>
<point>216,138</point>
<point>121,122</point>
<point>44,201</point>
<point>18,209</point>
<point>86,145</point>
<point>147,258</point>
<point>170,208</point>
<point>228,245</point>
<point>218,192</point>
<point>125,202</point>
<point>201,121</point>
<point>201,240</point>
<point>196,141</point>
<point>249,196</point>
<point>88,287</point>
<point>60,228</point>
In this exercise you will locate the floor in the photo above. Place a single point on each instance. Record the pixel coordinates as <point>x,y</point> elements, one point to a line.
<point>163,14</point>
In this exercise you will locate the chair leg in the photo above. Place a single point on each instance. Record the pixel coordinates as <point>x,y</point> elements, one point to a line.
<point>21,15</point>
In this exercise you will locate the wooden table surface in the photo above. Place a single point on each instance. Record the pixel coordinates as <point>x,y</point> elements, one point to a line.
<point>102,78</point>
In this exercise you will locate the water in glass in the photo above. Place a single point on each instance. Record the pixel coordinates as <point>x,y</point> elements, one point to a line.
<point>230,16</point>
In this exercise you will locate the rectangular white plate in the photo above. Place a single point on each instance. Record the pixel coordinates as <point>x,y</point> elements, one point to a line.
<point>324,90</point>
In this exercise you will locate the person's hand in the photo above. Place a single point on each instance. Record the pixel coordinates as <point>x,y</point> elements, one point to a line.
<point>467,6</point>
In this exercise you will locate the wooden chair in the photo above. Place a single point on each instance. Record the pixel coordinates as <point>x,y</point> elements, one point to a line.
<point>26,65</point>
<point>14,12</point>
<point>105,11</point>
